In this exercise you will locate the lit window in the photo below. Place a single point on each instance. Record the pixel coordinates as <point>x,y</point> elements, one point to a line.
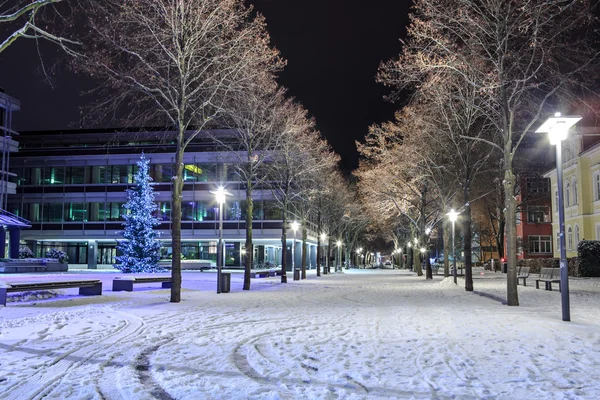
<point>540,244</point>
<point>537,214</point>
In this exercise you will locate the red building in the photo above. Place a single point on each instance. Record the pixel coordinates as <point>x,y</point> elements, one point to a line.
<point>534,221</point>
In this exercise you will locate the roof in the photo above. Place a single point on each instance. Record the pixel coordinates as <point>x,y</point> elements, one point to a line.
<point>10,220</point>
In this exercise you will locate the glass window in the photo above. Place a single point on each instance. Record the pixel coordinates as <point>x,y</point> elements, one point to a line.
<point>96,212</point>
<point>568,194</point>
<point>75,212</point>
<point>53,212</point>
<point>575,197</point>
<point>111,212</point>
<point>598,232</point>
<point>570,238</point>
<point>537,214</point>
<point>97,174</point>
<point>75,175</point>
<point>33,176</point>
<point>208,172</point>
<point>54,175</point>
<point>576,236</point>
<point>272,211</point>
<point>188,210</point>
<point>164,211</point>
<point>163,173</point>
<point>234,211</point>
<point>540,244</point>
<point>597,185</point>
<point>556,201</point>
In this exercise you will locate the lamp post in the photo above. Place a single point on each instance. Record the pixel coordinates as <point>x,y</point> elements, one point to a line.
<point>400,258</point>
<point>295,226</point>
<point>326,267</point>
<point>358,251</point>
<point>339,246</point>
<point>220,195</point>
<point>557,128</point>
<point>452,215</point>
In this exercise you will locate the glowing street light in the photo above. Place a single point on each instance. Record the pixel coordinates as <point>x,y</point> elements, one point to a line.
<point>220,195</point>
<point>557,128</point>
<point>452,215</point>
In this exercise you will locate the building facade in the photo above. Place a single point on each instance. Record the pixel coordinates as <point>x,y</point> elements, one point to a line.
<point>71,186</point>
<point>581,186</point>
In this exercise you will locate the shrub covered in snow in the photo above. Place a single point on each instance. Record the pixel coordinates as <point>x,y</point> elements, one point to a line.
<point>589,258</point>
<point>25,252</point>
<point>59,255</point>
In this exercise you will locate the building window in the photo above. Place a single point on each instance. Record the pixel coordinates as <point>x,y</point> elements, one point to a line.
<point>558,240</point>
<point>537,214</point>
<point>575,198</point>
<point>597,231</point>
<point>570,238</point>
<point>568,194</point>
<point>540,244</point>
<point>576,236</point>
<point>597,186</point>
<point>556,201</point>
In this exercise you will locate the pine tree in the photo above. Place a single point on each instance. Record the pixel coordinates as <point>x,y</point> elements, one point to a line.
<point>141,249</point>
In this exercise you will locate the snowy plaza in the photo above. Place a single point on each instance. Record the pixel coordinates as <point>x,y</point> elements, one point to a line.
<point>364,334</point>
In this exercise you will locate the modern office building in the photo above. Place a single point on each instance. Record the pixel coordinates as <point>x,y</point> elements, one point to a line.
<point>71,186</point>
<point>581,185</point>
<point>10,224</point>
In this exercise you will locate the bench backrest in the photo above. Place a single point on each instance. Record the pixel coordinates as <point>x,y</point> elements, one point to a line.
<point>546,273</point>
<point>556,273</point>
<point>524,271</point>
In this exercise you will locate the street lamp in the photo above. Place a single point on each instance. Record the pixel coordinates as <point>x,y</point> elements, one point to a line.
<point>557,128</point>
<point>326,267</point>
<point>358,251</point>
<point>339,246</point>
<point>295,226</point>
<point>220,196</point>
<point>452,215</point>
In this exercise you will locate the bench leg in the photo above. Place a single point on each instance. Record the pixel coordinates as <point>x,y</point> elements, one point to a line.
<point>549,286</point>
<point>167,285</point>
<point>524,281</point>
<point>95,290</point>
<point>122,284</point>
<point>537,284</point>
<point>3,296</point>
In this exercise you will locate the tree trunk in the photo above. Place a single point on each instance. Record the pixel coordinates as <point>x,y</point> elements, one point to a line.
<point>468,239</point>
<point>417,261</point>
<point>319,243</point>
<point>176,196</point>
<point>284,244</point>
<point>249,247</point>
<point>512,295</point>
<point>447,246</point>
<point>304,248</point>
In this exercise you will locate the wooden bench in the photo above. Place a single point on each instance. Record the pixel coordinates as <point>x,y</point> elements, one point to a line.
<point>86,287</point>
<point>548,276</point>
<point>127,284</point>
<point>523,274</point>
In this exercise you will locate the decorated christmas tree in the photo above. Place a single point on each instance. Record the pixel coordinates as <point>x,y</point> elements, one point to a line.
<point>140,251</point>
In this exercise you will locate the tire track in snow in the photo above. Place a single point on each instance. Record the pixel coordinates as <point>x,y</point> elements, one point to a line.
<point>44,382</point>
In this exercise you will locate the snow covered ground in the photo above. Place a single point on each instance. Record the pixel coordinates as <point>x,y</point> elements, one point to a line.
<point>365,334</point>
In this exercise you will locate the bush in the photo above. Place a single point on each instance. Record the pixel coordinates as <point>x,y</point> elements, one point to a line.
<point>25,252</point>
<point>59,255</point>
<point>589,258</point>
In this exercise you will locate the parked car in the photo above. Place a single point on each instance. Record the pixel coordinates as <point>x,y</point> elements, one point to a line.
<point>387,264</point>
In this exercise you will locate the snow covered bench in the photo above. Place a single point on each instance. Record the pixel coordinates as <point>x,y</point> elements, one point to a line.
<point>260,274</point>
<point>86,287</point>
<point>548,276</point>
<point>126,283</point>
<point>523,274</point>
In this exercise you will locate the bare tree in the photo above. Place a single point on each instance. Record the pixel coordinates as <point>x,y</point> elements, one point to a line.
<point>253,116</point>
<point>175,64</point>
<point>521,57</point>
<point>25,17</point>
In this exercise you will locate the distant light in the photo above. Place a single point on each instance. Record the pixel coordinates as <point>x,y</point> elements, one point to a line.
<point>422,250</point>
<point>557,127</point>
<point>295,226</point>
<point>452,215</point>
<point>220,194</point>
<point>339,243</point>
<point>427,231</point>
<point>323,236</point>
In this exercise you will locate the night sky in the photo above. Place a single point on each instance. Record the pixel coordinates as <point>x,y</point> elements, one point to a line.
<point>333,48</point>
